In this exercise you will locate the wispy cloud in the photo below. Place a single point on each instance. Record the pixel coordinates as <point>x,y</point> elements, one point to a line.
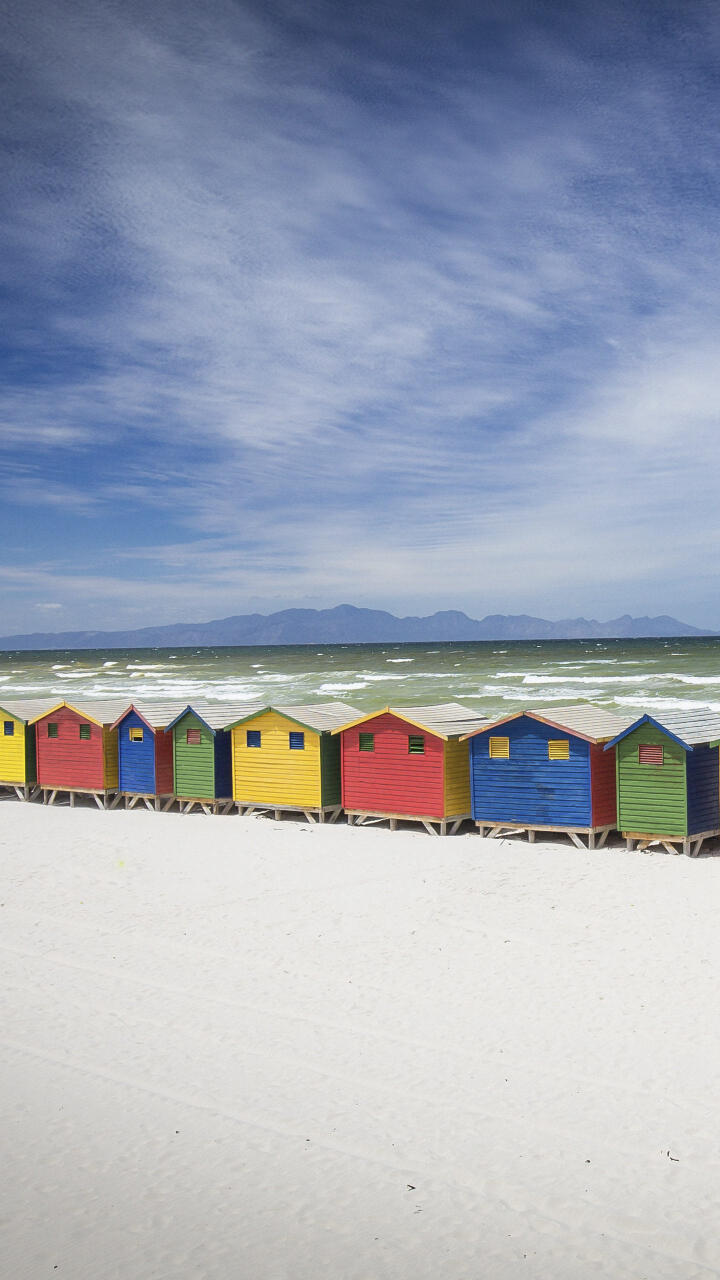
<point>297,310</point>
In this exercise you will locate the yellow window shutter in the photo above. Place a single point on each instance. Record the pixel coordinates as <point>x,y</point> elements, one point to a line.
<point>559,749</point>
<point>499,748</point>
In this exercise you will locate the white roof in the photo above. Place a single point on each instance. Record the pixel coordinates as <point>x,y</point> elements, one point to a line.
<point>218,715</point>
<point>157,714</point>
<point>103,710</point>
<point>26,709</point>
<point>592,722</point>
<point>320,716</point>
<point>596,724</point>
<point>691,727</point>
<point>445,719</point>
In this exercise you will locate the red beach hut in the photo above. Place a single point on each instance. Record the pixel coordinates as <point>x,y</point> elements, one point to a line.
<point>409,762</point>
<point>77,751</point>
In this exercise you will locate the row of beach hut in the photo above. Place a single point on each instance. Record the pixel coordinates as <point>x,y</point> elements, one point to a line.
<point>580,770</point>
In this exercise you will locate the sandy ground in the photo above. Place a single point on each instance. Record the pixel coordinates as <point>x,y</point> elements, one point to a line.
<point>236,1048</point>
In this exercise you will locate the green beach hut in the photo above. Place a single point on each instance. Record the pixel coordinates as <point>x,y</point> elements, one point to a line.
<point>668,780</point>
<point>202,751</point>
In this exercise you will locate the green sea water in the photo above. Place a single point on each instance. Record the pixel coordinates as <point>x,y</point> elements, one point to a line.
<point>492,677</point>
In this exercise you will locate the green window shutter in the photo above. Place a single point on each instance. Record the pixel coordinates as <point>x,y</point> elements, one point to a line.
<point>367,742</point>
<point>416,744</point>
<point>85,732</point>
<point>52,729</point>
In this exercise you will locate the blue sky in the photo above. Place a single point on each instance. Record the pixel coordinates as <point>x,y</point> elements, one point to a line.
<point>412,305</point>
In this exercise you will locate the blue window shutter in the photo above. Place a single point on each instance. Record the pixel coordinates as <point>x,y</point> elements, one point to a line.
<point>297,741</point>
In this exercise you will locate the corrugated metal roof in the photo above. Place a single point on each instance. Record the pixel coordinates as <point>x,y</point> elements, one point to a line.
<point>218,715</point>
<point>319,715</point>
<point>449,719</point>
<point>102,710</point>
<point>26,709</point>
<point>446,719</point>
<point>157,714</point>
<point>691,727</point>
<point>596,723</point>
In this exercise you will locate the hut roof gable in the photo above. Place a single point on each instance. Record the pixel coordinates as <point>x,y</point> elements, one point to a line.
<point>688,728</point>
<point>100,712</point>
<point>318,717</point>
<point>155,715</point>
<point>215,715</point>
<point>26,710</point>
<point>593,724</point>
<point>444,720</point>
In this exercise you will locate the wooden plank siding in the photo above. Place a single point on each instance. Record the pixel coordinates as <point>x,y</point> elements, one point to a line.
<point>457,778</point>
<point>194,766</point>
<point>145,767</point>
<point>703,800</point>
<point>603,788</point>
<point>330,773</point>
<point>69,762</point>
<point>17,750</point>
<point>110,757</point>
<point>651,798</point>
<point>272,773</point>
<point>527,786</point>
<point>390,779</point>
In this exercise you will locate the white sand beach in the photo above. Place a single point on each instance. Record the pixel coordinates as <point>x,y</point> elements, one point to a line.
<point>234,1047</point>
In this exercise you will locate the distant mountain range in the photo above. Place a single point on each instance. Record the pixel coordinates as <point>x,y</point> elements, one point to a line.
<point>349,625</point>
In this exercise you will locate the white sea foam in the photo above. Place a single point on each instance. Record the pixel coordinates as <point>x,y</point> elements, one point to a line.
<point>399,659</point>
<point>669,704</point>
<point>593,680</point>
<point>342,688</point>
<point>77,675</point>
<point>109,664</point>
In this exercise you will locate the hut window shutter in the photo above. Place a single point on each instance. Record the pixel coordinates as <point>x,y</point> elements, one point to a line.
<point>85,732</point>
<point>650,753</point>
<point>499,749</point>
<point>297,741</point>
<point>9,728</point>
<point>253,737</point>
<point>193,737</point>
<point>136,735</point>
<point>416,745</point>
<point>559,749</point>
<point>367,742</point>
<point>52,729</point>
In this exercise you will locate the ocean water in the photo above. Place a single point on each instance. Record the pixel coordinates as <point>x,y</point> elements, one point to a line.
<point>493,677</point>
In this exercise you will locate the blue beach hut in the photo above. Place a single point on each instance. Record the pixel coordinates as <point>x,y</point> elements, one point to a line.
<point>546,770</point>
<point>145,755</point>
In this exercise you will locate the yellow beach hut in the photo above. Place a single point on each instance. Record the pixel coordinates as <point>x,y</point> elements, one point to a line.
<point>285,758</point>
<point>18,771</point>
